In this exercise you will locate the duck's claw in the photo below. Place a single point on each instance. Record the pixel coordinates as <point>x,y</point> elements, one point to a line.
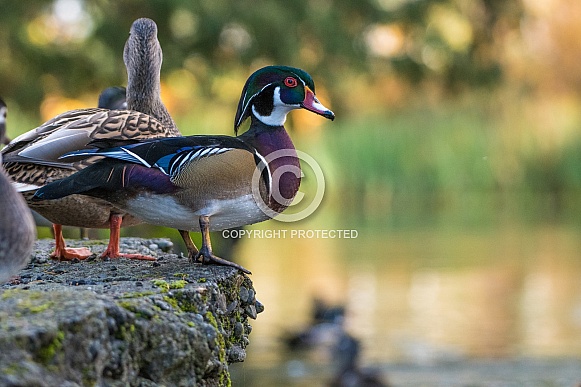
<point>206,257</point>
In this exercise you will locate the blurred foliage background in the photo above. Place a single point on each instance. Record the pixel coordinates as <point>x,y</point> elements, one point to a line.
<point>433,97</point>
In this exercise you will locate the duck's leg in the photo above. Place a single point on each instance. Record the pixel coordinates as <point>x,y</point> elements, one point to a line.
<point>62,252</point>
<point>112,250</point>
<point>206,249</point>
<point>192,249</point>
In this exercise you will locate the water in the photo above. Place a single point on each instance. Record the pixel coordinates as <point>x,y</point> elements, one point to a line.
<point>436,298</point>
<point>478,290</point>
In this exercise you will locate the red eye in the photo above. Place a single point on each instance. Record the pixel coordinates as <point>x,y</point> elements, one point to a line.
<point>290,82</point>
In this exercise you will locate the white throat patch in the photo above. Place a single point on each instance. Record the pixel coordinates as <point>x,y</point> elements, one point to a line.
<point>279,112</point>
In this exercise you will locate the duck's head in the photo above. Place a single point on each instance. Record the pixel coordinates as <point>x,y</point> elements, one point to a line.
<point>273,91</point>
<point>142,53</point>
<point>113,98</point>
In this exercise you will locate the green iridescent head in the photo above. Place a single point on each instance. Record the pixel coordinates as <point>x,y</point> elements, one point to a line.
<point>272,91</point>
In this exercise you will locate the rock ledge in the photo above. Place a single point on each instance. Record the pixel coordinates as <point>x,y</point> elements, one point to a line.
<point>123,322</point>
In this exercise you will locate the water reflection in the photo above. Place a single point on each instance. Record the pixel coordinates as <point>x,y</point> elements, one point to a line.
<point>457,294</point>
<point>421,296</point>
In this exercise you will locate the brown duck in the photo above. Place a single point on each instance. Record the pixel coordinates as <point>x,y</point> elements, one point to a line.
<point>33,159</point>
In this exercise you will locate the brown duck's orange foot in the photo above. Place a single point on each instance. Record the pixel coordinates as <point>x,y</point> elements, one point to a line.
<point>70,253</point>
<point>116,255</point>
<point>112,250</point>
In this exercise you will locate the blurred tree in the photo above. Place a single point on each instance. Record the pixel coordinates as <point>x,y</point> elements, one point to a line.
<point>71,47</point>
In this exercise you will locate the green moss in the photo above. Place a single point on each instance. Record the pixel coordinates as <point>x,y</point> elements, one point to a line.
<point>127,305</point>
<point>121,333</point>
<point>166,286</point>
<point>9,293</point>
<point>185,303</point>
<point>137,294</point>
<point>125,332</point>
<point>221,343</point>
<point>30,294</point>
<point>29,301</point>
<point>40,308</point>
<point>211,319</point>
<point>179,284</point>
<point>172,301</point>
<point>88,376</point>
<point>47,352</point>
<point>14,369</point>
<point>162,284</point>
<point>202,280</point>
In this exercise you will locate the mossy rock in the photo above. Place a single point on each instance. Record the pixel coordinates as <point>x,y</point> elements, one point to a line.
<point>127,323</point>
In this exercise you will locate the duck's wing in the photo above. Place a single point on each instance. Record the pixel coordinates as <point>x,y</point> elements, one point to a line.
<point>44,130</point>
<point>75,130</point>
<point>161,166</point>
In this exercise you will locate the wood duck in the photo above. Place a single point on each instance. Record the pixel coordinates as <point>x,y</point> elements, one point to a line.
<point>17,230</point>
<point>207,183</point>
<point>32,159</point>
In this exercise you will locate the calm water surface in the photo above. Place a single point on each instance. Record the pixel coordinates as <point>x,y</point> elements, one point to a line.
<point>484,292</point>
<point>436,300</point>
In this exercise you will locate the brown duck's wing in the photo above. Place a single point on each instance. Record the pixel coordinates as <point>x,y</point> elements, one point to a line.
<point>107,126</point>
<point>44,130</point>
<point>122,126</point>
<point>26,176</point>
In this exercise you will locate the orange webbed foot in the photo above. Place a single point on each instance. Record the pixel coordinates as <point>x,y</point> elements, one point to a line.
<point>112,255</point>
<point>70,253</point>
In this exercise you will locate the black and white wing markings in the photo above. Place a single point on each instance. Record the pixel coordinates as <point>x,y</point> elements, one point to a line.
<point>181,160</point>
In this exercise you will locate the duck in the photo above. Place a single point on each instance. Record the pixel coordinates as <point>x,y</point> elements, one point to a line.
<point>32,159</point>
<point>207,183</point>
<point>113,98</point>
<point>17,229</point>
<point>143,58</point>
<point>349,372</point>
<point>326,328</point>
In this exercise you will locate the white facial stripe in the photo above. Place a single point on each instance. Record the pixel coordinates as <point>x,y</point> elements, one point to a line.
<point>250,100</point>
<point>279,111</point>
<point>300,79</point>
<point>2,115</point>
